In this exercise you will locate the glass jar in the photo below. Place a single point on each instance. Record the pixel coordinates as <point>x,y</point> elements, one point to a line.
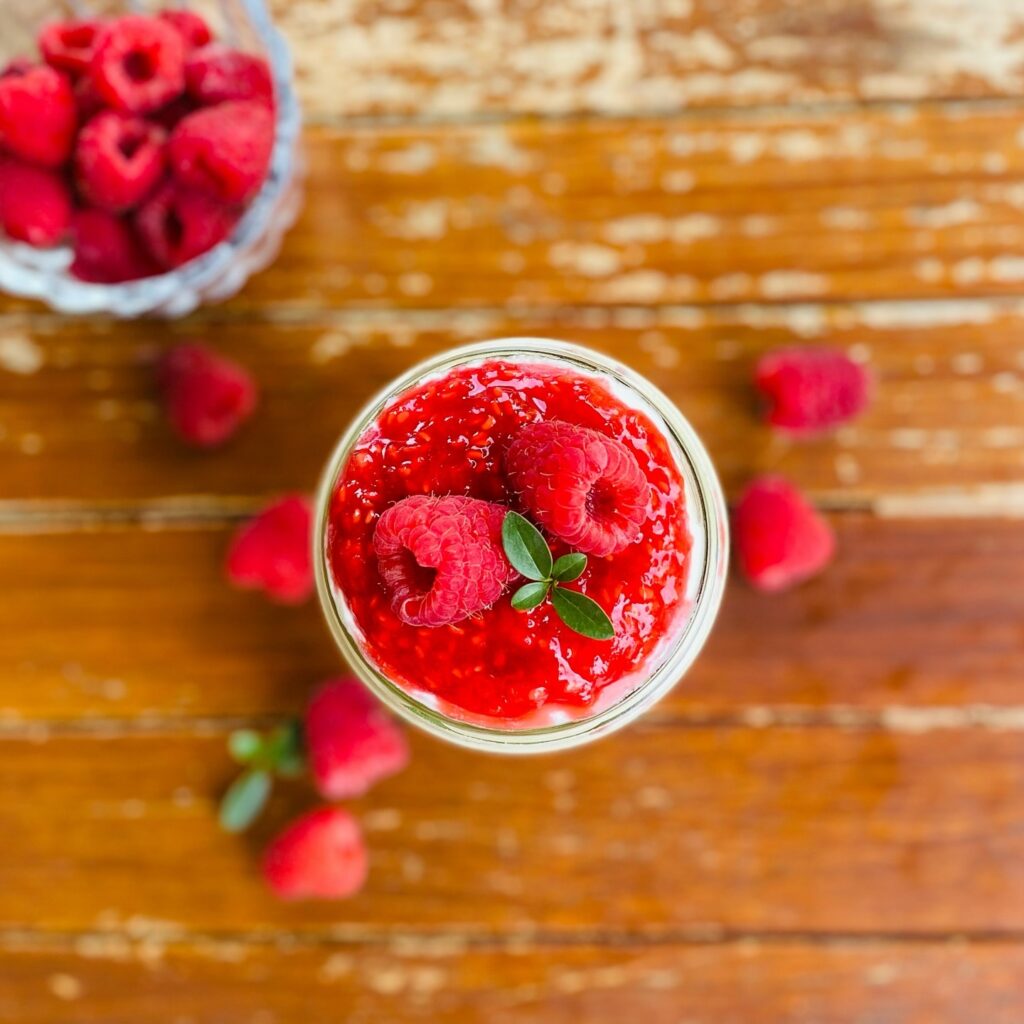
<point>218,274</point>
<point>708,526</point>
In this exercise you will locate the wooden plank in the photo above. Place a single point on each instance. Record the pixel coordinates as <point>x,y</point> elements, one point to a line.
<point>96,979</point>
<point>654,832</point>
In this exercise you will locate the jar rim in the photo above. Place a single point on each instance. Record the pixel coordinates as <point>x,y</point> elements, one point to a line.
<point>702,481</point>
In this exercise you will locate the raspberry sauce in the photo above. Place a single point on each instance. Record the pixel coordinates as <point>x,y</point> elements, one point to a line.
<point>449,436</point>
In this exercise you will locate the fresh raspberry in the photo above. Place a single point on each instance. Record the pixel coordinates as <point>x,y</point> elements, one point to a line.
<point>320,856</point>
<point>35,203</point>
<point>441,559</point>
<point>190,26</point>
<point>207,397</point>
<point>139,64</point>
<point>119,159</point>
<point>224,151</point>
<point>811,389</point>
<point>273,551</point>
<point>217,74</point>
<point>107,250</point>
<point>37,115</point>
<point>582,487</point>
<point>70,45</point>
<point>351,742</point>
<point>178,224</point>
<point>17,67</point>
<point>780,537</point>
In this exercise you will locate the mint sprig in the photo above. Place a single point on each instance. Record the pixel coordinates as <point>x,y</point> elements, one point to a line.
<point>529,553</point>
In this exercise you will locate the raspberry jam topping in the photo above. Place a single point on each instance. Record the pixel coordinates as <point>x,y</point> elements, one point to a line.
<point>450,436</point>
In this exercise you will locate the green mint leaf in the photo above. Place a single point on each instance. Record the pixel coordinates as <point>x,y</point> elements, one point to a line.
<point>244,745</point>
<point>526,549</point>
<point>569,567</point>
<point>530,595</point>
<point>582,614</point>
<point>244,800</point>
<point>284,749</point>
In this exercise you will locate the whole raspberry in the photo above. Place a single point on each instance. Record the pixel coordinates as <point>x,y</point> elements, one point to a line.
<point>320,856</point>
<point>106,249</point>
<point>351,742</point>
<point>811,389</point>
<point>118,160</point>
<point>586,489</point>
<point>273,551</point>
<point>139,64</point>
<point>35,203</point>
<point>207,397</point>
<point>190,26</point>
<point>224,151</point>
<point>441,559</point>
<point>178,224</point>
<point>780,538</point>
<point>37,115</point>
<point>70,45</point>
<point>217,74</point>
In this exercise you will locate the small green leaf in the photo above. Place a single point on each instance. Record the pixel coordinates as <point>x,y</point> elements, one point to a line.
<point>582,614</point>
<point>530,595</point>
<point>284,749</point>
<point>244,800</point>
<point>526,549</point>
<point>569,567</point>
<point>245,745</point>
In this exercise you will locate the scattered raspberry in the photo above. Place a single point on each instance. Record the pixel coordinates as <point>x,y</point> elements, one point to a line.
<point>218,74</point>
<point>70,45</point>
<point>118,160</point>
<point>319,856</point>
<point>190,26</point>
<point>178,224</point>
<point>811,389</point>
<point>351,742</point>
<point>207,397</point>
<point>780,537</point>
<point>224,151</point>
<point>37,115</point>
<point>107,250</point>
<point>35,203</point>
<point>272,551</point>
<point>441,559</point>
<point>139,64</point>
<point>584,488</point>
<point>17,67</point>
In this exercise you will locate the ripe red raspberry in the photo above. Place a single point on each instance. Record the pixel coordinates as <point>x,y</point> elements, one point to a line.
<point>224,151</point>
<point>207,397</point>
<point>217,74</point>
<point>70,45</point>
<point>811,389</point>
<point>37,115</point>
<point>190,26</point>
<point>441,559</point>
<point>178,224</point>
<point>351,742</point>
<point>582,487</point>
<point>119,159</point>
<point>273,551</point>
<point>139,64</point>
<point>107,250</point>
<point>320,856</point>
<point>780,537</point>
<point>35,203</point>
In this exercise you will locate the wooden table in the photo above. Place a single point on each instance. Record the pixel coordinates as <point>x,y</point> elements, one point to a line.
<point>825,821</point>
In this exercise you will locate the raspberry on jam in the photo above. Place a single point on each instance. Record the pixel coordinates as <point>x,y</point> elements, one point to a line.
<point>450,436</point>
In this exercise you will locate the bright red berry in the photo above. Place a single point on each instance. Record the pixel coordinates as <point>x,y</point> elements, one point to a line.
<point>273,551</point>
<point>107,250</point>
<point>37,115</point>
<point>811,389</point>
<point>207,397</point>
<point>218,74</point>
<point>780,537</point>
<point>320,856</point>
<point>586,489</point>
<point>119,159</point>
<point>178,224</point>
<point>192,27</point>
<point>139,64</point>
<point>35,203</point>
<point>351,742</point>
<point>70,45</point>
<point>441,559</point>
<point>224,151</point>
